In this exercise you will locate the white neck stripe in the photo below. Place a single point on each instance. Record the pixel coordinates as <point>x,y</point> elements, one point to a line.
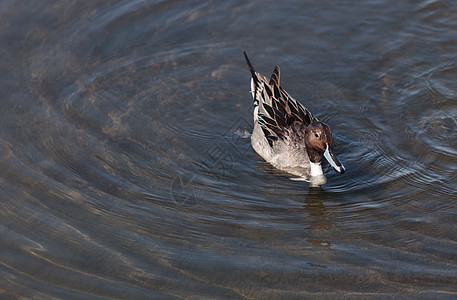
<point>316,169</point>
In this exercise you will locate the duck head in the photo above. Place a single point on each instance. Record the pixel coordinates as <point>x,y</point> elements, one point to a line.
<point>318,141</point>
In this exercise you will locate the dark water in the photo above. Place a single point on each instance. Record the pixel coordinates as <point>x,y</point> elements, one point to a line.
<point>125,173</point>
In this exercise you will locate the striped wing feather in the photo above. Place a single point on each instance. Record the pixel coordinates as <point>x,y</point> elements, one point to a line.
<point>278,111</point>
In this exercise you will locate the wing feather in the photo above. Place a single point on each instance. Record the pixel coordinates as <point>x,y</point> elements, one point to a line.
<point>278,112</point>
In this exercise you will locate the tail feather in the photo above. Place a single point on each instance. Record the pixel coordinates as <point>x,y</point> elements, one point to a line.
<point>251,68</point>
<point>255,80</point>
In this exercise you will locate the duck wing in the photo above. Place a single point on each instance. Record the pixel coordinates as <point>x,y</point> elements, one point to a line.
<point>279,113</point>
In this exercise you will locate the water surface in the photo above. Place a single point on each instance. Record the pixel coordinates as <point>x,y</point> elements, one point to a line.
<point>126,171</point>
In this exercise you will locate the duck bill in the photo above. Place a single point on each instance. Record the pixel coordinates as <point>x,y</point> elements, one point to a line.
<point>333,160</point>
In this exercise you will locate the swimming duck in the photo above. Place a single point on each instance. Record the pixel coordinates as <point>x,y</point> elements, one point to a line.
<point>286,134</point>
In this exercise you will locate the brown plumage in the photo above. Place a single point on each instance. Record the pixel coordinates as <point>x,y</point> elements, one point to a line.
<point>282,111</point>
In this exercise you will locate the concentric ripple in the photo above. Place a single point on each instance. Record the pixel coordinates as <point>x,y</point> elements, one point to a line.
<point>127,169</point>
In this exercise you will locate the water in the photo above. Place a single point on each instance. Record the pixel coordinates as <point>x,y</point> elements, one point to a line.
<point>126,171</point>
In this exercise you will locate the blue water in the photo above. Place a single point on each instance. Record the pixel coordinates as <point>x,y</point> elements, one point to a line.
<point>126,165</point>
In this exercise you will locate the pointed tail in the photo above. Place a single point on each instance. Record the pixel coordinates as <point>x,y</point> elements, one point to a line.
<point>255,80</point>
<point>251,68</point>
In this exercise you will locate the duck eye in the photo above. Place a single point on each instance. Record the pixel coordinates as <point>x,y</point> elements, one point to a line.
<point>316,135</point>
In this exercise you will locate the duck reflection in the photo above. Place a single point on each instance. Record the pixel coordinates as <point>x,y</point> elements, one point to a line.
<point>318,218</point>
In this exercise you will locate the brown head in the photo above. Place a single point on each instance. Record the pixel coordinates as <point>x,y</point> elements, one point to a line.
<point>318,141</point>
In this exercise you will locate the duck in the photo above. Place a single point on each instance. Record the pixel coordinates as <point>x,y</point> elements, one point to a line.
<point>286,134</point>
